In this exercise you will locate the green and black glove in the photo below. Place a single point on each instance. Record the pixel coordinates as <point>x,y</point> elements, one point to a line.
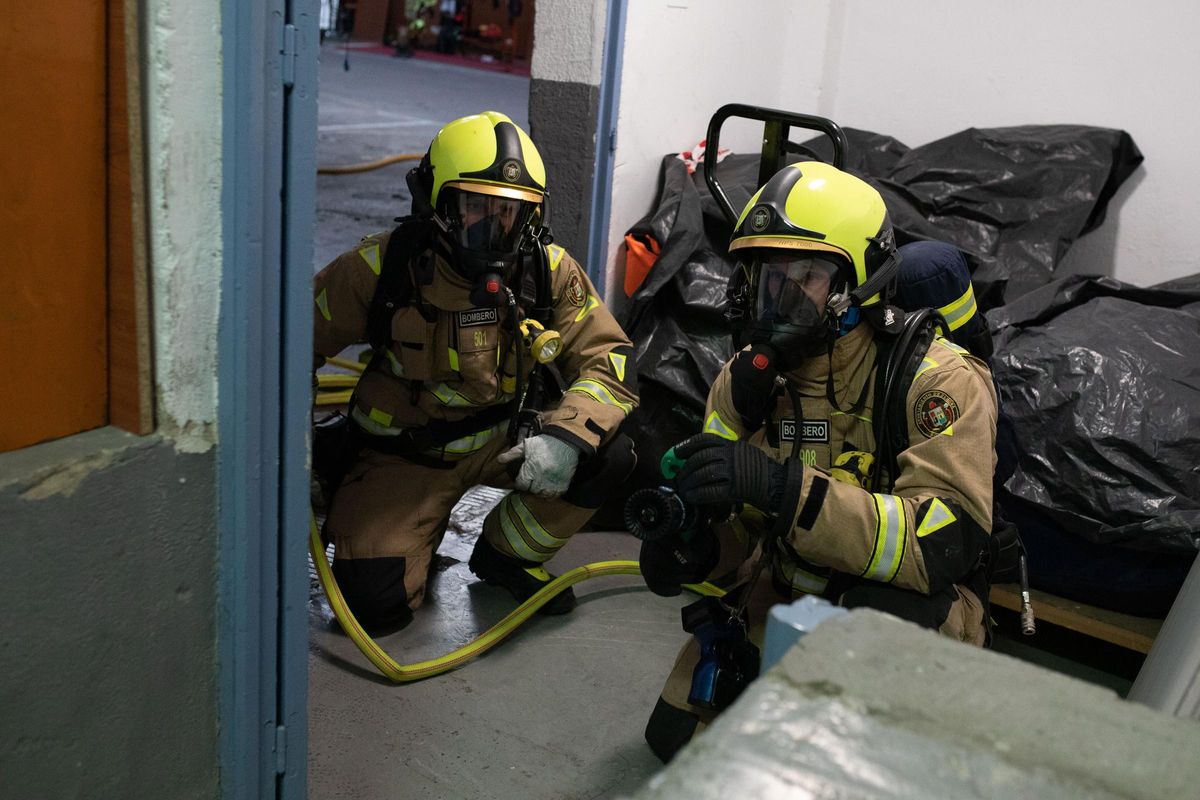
<point>716,471</point>
<point>668,563</point>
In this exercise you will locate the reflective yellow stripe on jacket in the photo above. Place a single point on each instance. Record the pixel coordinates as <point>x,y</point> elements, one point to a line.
<point>600,393</point>
<point>890,535</point>
<point>714,424</point>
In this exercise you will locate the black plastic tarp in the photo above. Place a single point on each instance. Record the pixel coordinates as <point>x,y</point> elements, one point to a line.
<point>1012,199</point>
<point>1102,382</point>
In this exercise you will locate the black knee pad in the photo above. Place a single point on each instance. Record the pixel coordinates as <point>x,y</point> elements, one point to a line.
<point>928,611</point>
<point>602,473</point>
<point>669,729</point>
<point>374,590</point>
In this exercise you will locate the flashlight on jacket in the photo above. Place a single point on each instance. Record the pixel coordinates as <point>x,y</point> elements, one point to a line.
<point>543,344</point>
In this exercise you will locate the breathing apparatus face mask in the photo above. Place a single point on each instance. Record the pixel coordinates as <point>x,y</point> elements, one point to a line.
<point>790,308</point>
<point>485,233</point>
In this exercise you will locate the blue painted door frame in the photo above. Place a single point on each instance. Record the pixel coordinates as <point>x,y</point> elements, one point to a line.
<point>268,118</point>
<point>606,144</point>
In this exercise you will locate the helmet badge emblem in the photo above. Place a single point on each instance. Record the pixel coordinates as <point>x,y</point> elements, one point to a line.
<point>511,171</point>
<point>759,219</point>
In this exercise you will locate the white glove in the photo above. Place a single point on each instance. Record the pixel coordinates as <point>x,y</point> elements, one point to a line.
<point>548,466</point>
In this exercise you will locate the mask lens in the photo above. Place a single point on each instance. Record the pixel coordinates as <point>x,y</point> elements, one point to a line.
<point>490,223</point>
<point>793,291</point>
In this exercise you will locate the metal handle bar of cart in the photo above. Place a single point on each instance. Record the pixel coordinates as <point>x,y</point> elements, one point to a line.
<point>775,145</point>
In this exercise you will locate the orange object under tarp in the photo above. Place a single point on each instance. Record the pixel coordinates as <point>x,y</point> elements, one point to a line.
<point>640,255</point>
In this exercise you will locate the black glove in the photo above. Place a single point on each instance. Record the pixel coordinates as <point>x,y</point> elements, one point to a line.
<point>752,387</point>
<point>672,561</point>
<point>716,470</point>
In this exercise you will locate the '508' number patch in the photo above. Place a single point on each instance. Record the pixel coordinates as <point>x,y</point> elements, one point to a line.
<point>811,430</point>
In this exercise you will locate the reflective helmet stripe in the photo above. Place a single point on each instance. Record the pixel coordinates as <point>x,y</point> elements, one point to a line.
<point>961,310</point>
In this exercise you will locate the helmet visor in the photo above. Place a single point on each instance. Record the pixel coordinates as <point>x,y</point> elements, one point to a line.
<point>489,223</point>
<point>793,290</point>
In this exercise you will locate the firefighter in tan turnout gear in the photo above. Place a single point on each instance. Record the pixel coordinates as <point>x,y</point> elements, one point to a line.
<point>460,302</point>
<point>789,440</point>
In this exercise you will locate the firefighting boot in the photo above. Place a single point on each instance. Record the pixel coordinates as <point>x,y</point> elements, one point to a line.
<point>521,578</point>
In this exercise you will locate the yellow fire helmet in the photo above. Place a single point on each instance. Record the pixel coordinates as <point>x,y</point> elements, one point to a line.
<point>484,182</point>
<point>812,244</point>
<point>486,153</point>
<point>815,209</point>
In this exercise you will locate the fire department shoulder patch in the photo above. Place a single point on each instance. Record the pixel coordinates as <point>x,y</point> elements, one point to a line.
<point>576,296</point>
<point>934,413</point>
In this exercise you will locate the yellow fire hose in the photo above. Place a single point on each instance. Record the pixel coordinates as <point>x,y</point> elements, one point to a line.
<point>407,673</point>
<point>350,169</point>
<point>335,390</point>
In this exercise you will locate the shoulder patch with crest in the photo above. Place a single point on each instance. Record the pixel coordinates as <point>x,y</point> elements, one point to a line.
<point>934,413</point>
<point>574,292</point>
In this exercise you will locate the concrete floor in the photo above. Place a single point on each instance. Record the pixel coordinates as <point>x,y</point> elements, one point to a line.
<point>557,710</point>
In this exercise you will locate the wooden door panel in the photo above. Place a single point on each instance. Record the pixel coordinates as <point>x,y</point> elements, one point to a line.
<point>53,329</point>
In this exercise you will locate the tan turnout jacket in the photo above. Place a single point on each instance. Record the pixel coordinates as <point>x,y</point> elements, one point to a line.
<point>461,359</point>
<point>913,537</point>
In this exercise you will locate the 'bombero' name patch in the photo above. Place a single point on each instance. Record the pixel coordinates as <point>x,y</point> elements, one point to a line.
<point>811,430</point>
<point>477,316</point>
<point>934,412</point>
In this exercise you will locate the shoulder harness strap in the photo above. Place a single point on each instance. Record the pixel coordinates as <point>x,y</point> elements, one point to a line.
<point>899,359</point>
<point>395,289</point>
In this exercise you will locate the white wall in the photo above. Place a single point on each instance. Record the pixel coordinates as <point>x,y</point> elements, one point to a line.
<point>183,169</point>
<point>923,70</point>
<point>683,59</point>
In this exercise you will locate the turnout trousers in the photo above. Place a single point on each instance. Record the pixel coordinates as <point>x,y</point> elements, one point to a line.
<point>389,516</point>
<point>956,612</point>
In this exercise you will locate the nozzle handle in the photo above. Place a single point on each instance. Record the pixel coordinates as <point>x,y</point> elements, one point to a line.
<point>670,464</point>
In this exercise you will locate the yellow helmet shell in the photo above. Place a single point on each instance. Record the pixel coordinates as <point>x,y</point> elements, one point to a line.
<point>816,207</point>
<point>486,153</point>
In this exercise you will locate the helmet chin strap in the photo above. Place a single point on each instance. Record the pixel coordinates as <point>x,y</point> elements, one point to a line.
<point>835,308</point>
<point>876,283</point>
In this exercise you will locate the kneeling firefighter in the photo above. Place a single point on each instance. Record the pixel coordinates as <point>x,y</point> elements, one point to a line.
<point>475,320</point>
<point>833,461</point>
